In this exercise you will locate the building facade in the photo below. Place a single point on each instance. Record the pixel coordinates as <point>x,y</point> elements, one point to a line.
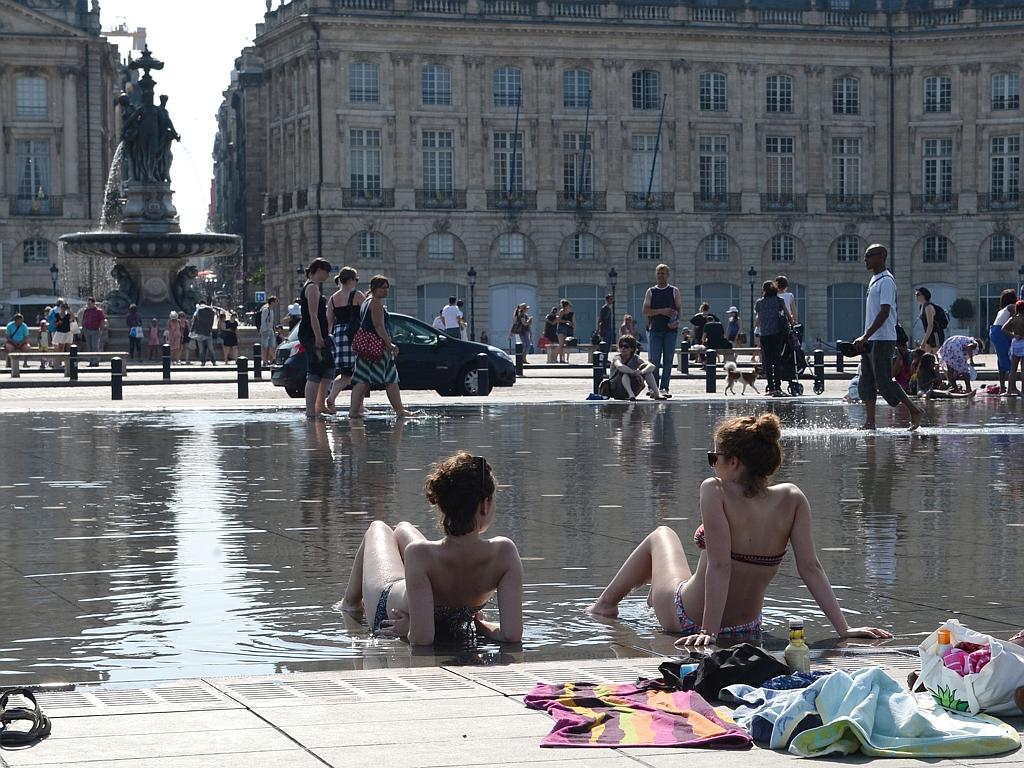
<point>541,144</point>
<point>57,77</point>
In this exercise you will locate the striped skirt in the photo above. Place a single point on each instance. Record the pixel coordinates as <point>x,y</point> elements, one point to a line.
<point>381,373</point>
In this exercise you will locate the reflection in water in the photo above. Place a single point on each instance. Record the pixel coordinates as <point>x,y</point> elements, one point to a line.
<point>174,545</point>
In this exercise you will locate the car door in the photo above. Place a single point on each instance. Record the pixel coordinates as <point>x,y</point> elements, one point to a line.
<point>420,362</point>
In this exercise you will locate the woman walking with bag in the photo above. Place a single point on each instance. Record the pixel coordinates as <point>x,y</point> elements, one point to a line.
<point>344,309</point>
<point>522,327</point>
<point>375,352</point>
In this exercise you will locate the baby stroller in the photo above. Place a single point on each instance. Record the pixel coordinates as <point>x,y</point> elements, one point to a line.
<point>793,363</point>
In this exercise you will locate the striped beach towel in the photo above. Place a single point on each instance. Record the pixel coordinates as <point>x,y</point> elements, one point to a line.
<point>631,715</point>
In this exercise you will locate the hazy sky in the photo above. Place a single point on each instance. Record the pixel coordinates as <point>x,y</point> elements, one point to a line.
<point>199,41</point>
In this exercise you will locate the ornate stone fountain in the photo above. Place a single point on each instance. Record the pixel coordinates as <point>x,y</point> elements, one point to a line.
<point>140,235</point>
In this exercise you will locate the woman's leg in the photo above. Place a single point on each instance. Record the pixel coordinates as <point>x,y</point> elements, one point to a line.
<point>627,384</point>
<point>355,409</point>
<point>652,385</point>
<point>659,560</point>
<point>394,393</point>
<point>1014,366</point>
<point>561,348</point>
<point>378,563</point>
<point>338,387</point>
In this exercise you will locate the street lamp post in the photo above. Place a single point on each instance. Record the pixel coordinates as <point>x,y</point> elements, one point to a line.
<point>613,278</point>
<point>471,274</point>
<point>54,271</point>
<point>752,274</point>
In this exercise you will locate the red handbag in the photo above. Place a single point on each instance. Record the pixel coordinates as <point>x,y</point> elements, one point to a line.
<point>368,346</point>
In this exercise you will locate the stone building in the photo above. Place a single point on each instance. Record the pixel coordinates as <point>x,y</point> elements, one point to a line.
<point>57,81</point>
<point>542,144</point>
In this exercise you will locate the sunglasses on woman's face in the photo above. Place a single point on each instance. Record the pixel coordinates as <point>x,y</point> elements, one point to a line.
<point>713,458</point>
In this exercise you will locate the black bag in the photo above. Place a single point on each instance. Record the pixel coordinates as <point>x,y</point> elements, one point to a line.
<point>572,341</point>
<point>941,321</point>
<point>353,320</point>
<point>605,388</point>
<point>901,336</point>
<point>745,663</point>
<point>596,339</point>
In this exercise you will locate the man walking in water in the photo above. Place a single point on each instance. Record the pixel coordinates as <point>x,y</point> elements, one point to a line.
<point>878,342</point>
<point>661,308</point>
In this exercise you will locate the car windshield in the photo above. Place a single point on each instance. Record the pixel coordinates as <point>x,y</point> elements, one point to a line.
<point>407,331</point>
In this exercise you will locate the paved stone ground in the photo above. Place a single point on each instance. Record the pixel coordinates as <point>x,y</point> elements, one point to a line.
<point>423,716</point>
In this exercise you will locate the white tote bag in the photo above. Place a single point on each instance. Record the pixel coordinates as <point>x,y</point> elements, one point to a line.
<point>990,690</point>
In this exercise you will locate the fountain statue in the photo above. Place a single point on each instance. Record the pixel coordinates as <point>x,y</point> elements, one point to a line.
<point>139,228</point>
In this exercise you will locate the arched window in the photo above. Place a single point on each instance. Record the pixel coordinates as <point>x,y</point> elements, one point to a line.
<point>512,246</point>
<point>935,250</point>
<point>845,96</point>
<point>30,97</point>
<point>440,245</point>
<point>647,89</point>
<point>713,93</point>
<point>1002,248</point>
<point>584,246</point>
<point>370,245</point>
<point>716,248</point>
<point>575,88</point>
<point>783,248</point>
<point>36,252</point>
<point>508,86</point>
<point>648,247</point>
<point>436,85</point>
<point>848,249</point>
<point>779,93</point>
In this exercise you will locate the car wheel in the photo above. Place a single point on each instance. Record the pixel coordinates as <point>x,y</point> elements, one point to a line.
<point>469,379</point>
<point>295,391</point>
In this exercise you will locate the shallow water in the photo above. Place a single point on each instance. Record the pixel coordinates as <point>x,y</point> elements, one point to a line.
<point>168,545</point>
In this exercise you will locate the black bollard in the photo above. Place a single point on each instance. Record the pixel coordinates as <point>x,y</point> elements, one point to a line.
<point>710,370</point>
<point>116,378</point>
<point>839,360</point>
<point>257,362</point>
<point>166,361</point>
<point>684,358</point>
<point>520,358</point>
<point>819,371</point>
<point>598,371</point>
<point>73,362</point>
<point>243,378</point>
<point>483,375</point>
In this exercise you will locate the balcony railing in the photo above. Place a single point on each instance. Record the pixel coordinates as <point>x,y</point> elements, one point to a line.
<point>451,7</point>
<point>935,18</point>
<point>791,203</point>
<point>645,12</point>
<point>517,200</point>
<point>779,16</point>
<point>714,15</point>
<point>365,5</point>
<point>655,201</point>
<point>1003,201</point>
<point>847,19</point>
<point>24,205</point>
<point>933,203</point>
<point>575,10</point>
<point>582,201</point>
<point>726,203</point>
<point>849,203</point>
<point>508,8</point>
<point>1001,14</point>
<point>431,199</point>
<point>367,198</point>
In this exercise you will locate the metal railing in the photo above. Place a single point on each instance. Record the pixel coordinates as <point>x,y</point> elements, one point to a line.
<point>849,203</point>
<point>582,201</point>
<point>933,203</point>
<point>33,205</point>
<point>796,203</point>
<point>1003,201</point>
<point>431,199</point>
<point>727,203</point>
<point>367,198</point>
<point>517,200</point>
<point>655,201</point>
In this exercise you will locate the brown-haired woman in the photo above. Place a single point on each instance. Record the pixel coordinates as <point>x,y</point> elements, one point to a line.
<point>373,318</point>
<point>746,527</point>
<point>423,590</point>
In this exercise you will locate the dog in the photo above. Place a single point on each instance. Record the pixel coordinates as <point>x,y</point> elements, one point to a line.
<point>734,374</point>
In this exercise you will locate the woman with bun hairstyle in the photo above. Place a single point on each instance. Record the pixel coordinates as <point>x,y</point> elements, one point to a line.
<point>425,590</point>
<point>746,527</point>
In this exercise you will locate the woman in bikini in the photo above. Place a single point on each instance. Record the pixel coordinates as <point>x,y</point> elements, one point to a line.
<point>746,528</point>
<point>425,590</point>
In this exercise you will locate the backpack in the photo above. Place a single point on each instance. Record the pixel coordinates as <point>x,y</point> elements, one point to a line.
<point>941,321</point>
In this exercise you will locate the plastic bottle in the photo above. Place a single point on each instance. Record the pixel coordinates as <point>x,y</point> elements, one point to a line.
<point>797,654</point>
<point>945,643</point>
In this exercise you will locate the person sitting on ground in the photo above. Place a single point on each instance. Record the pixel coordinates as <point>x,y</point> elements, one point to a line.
<point>17,335</point>
<point>630,373</point>
<point>929,381</point>
<point>746,527</point>
<point>429,590</point>
<point>957,355</point>
<point>1014,328</point>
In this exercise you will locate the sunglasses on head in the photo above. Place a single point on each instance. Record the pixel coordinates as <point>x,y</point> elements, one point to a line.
<point>483,475</point>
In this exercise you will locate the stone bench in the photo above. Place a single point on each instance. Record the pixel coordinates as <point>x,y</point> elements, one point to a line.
<point>722,354</point>
<point>15,359</point>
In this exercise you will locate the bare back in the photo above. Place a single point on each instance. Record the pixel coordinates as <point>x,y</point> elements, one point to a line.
<point>464,576</point>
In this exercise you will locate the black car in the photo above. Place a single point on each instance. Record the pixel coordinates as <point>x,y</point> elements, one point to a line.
<point>427,359</point>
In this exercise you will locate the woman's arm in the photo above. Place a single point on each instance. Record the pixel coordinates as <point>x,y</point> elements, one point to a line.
<point>813,574</point>
<point>719,570</point>
<point>377,314</point>
<point>419,595</point>
<point>509,628</point>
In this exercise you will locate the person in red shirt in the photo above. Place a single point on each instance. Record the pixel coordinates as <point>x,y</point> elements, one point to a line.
<point>92,326</point>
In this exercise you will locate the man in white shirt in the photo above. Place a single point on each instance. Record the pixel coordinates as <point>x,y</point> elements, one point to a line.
<point>877,344</point>
<point>452,317</point>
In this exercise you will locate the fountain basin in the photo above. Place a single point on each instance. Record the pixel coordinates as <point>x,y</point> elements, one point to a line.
<point>126,245</point>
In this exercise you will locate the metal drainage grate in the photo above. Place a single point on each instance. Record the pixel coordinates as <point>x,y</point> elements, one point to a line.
<point>185,694</point>
<point>521,679</point>
<point>124,697</point>
<point>322,689</point>
<point>63,700</point>
<point>260,691</point>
